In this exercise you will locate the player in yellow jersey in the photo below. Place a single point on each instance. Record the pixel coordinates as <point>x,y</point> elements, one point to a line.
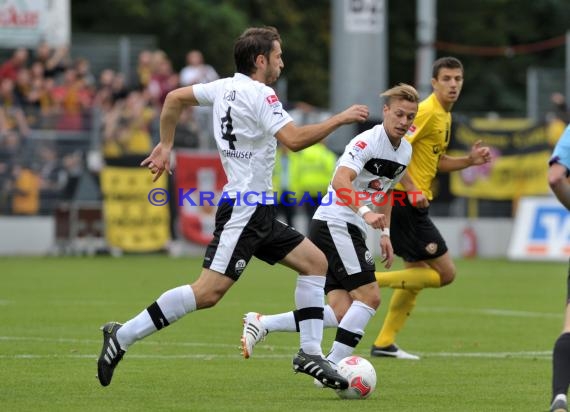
<point>414,236</point>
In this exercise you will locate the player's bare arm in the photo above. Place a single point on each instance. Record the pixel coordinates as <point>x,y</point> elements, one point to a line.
<point>159,160</point>
<point>415,196</point>
<point>342,179</point>
<point>477,156</point>
<point>386,249</point>
<point>298,138</point>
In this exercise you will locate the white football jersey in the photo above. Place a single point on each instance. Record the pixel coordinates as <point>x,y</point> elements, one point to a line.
<point>378,168</point>
<point>247,114</point>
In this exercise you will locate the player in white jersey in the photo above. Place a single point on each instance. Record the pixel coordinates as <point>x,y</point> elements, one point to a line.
<point>372,163</point>
<point>248,118</point>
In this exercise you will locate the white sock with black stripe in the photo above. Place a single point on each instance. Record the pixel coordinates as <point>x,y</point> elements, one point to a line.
<point>350,331</point>
<point>309,299</point>
<point>168,308</point>
<point>287,321</point>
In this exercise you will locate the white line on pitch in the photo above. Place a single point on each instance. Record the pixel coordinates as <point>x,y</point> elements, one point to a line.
<point>492,312</point>
<point>264,348</point>
<point>98,341</point>
<point>210,356</point>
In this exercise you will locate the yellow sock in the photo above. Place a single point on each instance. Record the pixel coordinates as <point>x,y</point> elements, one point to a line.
<point>401,304</point>
<point>410,278</point>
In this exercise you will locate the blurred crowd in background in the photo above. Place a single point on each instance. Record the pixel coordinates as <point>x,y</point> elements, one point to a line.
<point>54,110</point>
<point>59,121</point>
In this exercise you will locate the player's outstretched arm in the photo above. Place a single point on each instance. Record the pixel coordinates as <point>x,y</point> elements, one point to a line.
<point>299,137</point>
<point>479,155</point>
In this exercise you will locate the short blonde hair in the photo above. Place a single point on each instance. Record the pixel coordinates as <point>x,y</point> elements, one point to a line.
<point>401,91</point>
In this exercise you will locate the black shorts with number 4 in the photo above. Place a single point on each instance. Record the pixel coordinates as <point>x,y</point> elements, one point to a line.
<point>413,234</point>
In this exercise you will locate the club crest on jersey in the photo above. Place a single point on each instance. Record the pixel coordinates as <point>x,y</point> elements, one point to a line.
<point>375,185</point>
<point>368,257</point>
<point>240,266</point>
<point>431,248</point>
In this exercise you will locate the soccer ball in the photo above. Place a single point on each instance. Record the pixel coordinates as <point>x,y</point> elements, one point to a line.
<point>361,378</point>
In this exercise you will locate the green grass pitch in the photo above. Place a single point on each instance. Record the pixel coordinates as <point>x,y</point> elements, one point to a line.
<point>485,341</point>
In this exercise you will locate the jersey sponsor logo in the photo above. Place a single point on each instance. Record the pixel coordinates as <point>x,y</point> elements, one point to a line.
<point>236,154</point>
<point>272,99</point>
<point>384,168</point>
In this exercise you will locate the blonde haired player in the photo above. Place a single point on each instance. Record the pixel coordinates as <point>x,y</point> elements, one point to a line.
<point>414,235</point>
<point>372,163</point>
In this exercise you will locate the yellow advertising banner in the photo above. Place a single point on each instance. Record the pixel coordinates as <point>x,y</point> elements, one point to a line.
<point>132,222</point>
<point>519,166</point>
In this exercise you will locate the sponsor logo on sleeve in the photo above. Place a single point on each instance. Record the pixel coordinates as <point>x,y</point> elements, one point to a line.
<point>359,146</point>
<point>411,130</point>
<point>272,99</point>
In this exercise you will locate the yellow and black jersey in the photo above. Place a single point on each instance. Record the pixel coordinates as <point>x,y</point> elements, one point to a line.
<point>429,136</point>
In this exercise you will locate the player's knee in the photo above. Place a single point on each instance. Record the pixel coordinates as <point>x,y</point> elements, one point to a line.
<point>367,294</point>
<point>373,301</point>
<point>317,263</point>
<point>208,299</point>
<point>339,313</point>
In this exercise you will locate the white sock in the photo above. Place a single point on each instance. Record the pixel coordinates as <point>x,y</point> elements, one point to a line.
<point>330,318</point>
<point>282,322</point>
<point>355,321</point>
<point>173,304</point>
<point>310,293</point>
<point>285,322</point>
